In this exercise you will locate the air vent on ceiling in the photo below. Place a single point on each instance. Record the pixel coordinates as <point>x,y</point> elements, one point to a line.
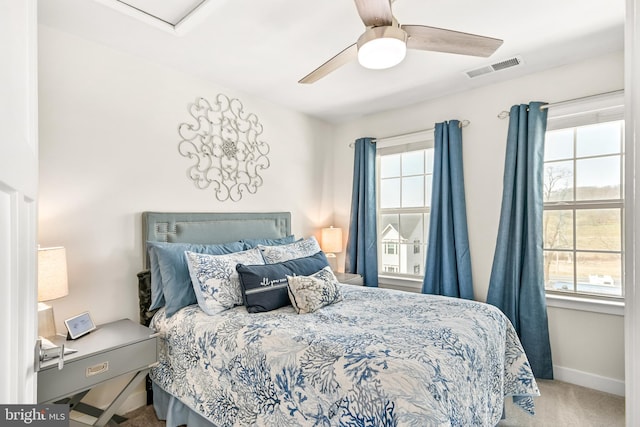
<point>507,63</point>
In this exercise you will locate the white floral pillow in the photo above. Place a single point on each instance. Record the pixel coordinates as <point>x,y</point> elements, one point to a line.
<point>299,249</point>
<point>309,293</point>
<point>215,280</point>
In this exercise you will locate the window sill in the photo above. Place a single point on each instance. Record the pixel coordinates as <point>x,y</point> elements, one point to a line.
<point>593,305</point>
<point>400,283</point>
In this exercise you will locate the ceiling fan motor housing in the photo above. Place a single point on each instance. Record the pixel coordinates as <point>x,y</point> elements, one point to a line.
<point>382,47</point>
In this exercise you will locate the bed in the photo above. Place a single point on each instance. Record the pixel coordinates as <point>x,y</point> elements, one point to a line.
<point>373,357</point>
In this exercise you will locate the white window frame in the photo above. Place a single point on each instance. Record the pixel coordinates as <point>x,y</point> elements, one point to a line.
<point>596,109</point>
<point>400,144</point>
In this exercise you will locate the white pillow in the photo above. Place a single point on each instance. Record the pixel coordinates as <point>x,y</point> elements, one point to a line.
<point>300,249</point>
<point>215,280</point>
<point>309,293</point>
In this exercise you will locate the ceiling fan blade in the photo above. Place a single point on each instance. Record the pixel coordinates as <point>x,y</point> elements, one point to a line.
<point>334,63</point>
<point>440,40</point>
<point>375,13</point>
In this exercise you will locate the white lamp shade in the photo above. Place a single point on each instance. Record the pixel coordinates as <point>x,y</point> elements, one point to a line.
<point>331,240</point>
<point>52,273</point>
<point>381,53</point>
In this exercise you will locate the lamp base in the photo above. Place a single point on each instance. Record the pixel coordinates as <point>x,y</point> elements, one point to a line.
<point>333,261</point>
<point>46,323</point>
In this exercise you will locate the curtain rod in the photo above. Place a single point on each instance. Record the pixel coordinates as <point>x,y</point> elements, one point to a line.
<point>462,124</point>
<point>504,114</point>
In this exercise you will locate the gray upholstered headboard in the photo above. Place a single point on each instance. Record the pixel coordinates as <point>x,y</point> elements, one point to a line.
<point>211,227</point>
<point>202,227</point>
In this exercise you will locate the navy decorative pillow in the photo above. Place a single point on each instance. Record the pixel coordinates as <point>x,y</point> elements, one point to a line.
<point>264,287</point>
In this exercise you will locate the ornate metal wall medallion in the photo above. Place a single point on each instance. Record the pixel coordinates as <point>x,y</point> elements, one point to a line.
<point>223,140</point>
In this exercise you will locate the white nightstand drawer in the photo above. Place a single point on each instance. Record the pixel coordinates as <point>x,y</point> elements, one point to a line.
<point>81,374</point>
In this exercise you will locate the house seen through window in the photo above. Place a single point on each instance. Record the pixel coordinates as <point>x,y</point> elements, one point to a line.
<point>404,199</point>
<point>584,207</point>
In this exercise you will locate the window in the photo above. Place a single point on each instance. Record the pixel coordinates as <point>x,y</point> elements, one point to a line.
<point>404,198</point>
<point>390,248</point>
<point>584,207</point>
<point>390,268</point>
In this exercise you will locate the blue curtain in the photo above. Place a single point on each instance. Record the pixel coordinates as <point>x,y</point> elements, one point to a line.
<point>362,253</point>
<point>448,265</point>
<point>517,276</point>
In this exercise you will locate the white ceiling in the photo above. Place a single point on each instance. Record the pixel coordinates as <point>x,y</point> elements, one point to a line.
<point>263,47</point>
<point>170,12</point>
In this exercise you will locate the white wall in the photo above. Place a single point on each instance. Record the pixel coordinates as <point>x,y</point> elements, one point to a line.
<point>109,150</point>
<point>590,343</point>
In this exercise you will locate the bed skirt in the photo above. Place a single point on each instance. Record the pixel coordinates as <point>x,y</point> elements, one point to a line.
<point>174,412</point>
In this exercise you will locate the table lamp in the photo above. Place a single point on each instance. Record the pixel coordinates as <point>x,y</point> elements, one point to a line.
<point>52,284</point>
<point>331,245</point>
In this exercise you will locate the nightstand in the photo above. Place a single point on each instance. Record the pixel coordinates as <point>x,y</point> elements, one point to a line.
<point>113,349</point>
<point>350,279</point>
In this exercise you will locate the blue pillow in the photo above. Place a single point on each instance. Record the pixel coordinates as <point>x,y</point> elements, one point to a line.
<point>264,287</point>
<point>157,297</point>
<point>252,243</point>
<point>174,271</point>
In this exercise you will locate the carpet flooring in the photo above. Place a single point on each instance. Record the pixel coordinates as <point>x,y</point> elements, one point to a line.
<point>560,405</point>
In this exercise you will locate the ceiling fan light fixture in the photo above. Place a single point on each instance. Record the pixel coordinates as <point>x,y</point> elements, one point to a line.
<point>382,47</point>
<point>384,42</point>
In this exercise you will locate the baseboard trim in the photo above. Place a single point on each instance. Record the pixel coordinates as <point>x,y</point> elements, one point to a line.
<point>586,379</point>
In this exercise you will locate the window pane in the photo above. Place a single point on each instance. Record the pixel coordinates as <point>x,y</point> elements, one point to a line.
<point>388,243</point>
<point>404,191</point>
<point>598,139</point>
<point>410,261</point>
<point>557,229</point>
<point>558,181</point>
<point>390,166</point>
<point>413,163</point>
<point>598,178</point>
<point>429,160</point>
<point>599,273</point>
<point>426,229</point>
<point>389,226</point>
<point>583,208</point>
<point>598,229</point>
<point>411,228</point>
<point>413,192</point>
<point>558,144</point>
<point>558,270</point>
<point>390,193</point>
<point>428,180</point>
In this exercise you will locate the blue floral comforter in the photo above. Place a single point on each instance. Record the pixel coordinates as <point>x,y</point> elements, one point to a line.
<point>377,358</point>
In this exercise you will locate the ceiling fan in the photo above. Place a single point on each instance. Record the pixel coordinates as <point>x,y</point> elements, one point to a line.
<point>384,43</point>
